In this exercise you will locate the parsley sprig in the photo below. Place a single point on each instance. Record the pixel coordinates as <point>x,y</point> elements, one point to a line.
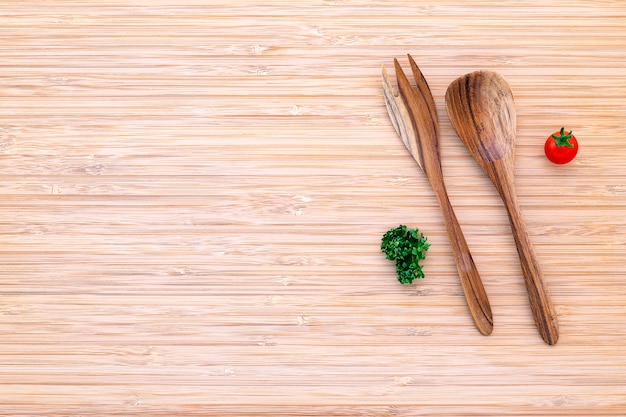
<point>407,248</point>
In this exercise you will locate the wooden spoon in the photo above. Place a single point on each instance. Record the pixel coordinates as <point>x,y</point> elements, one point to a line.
<point>414,116</point>
<point>481,108</point>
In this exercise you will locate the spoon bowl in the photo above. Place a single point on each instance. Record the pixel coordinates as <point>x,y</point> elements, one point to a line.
<point>481,109</point>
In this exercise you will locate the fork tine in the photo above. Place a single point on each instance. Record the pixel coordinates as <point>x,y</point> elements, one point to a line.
<point>400,116</point>
<point>392,104</point>
<point>425,126</point>
<point>424,89</point>
<point>399,108</point>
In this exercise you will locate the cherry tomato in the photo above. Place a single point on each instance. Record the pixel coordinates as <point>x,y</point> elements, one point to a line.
<point>561,147</point>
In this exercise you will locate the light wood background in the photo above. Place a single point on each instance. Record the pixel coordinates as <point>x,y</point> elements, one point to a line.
<point>193,192</point>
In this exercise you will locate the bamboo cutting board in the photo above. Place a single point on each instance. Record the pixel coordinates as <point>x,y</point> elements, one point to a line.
<point>192,196</point>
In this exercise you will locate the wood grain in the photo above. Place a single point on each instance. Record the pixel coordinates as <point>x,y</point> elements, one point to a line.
<point>192,196</point>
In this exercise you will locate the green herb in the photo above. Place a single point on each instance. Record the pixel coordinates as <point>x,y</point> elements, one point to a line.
<point>406,247</point>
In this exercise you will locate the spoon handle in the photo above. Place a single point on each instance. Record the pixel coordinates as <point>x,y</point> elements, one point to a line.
<point>475,294</point>
<point>538,294</point>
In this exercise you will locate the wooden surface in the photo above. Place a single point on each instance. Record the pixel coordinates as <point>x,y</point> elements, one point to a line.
<point>193,192</point>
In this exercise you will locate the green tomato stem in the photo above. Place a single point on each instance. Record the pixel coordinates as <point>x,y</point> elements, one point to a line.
<point>562,138</point>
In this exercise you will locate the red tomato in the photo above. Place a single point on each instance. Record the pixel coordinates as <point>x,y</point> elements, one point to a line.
<point>561,147</point>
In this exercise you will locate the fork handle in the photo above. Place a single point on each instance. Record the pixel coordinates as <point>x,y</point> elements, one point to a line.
<point>475,294</point>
